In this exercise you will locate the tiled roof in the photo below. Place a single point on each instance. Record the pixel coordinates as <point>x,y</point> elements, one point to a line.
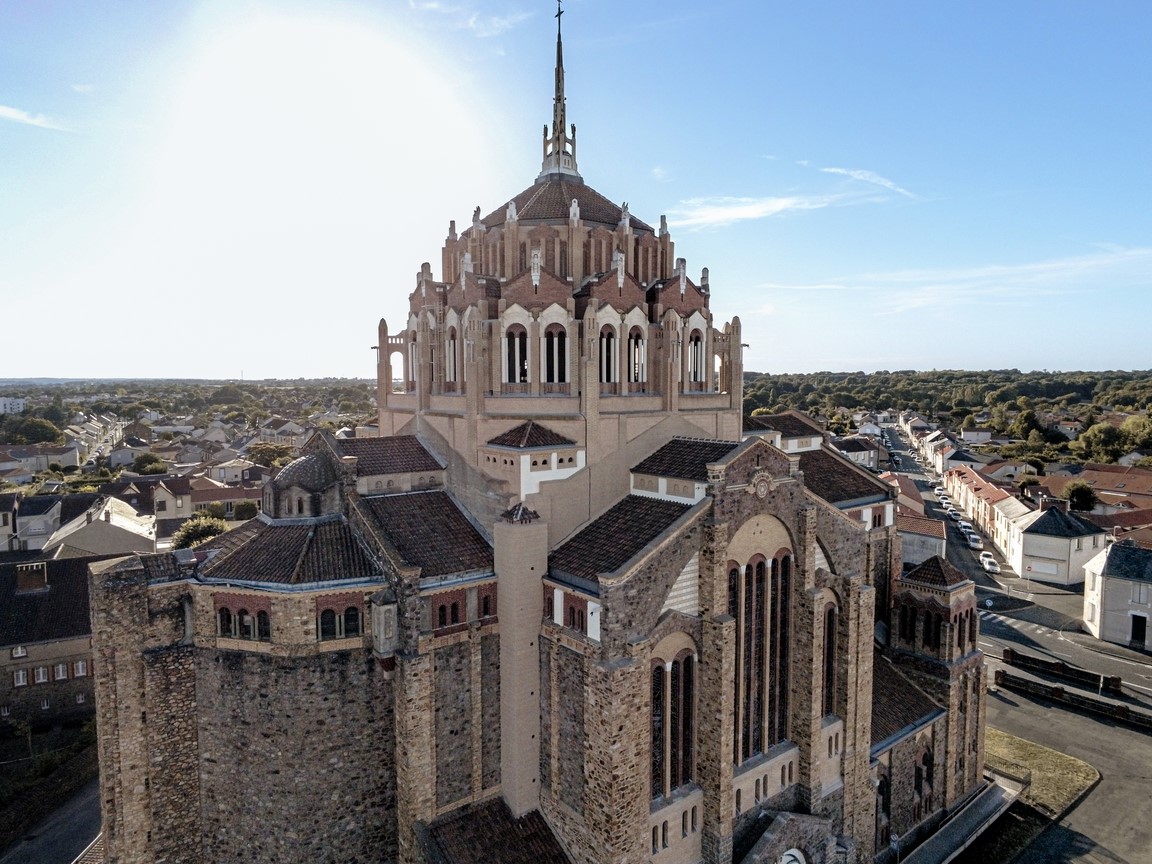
<point>1054,522</point>
<point>399,454</point>
<point>834,479</point>
<point>610,541</point>
<point>486,833</point>
<point>921,525</point>
<point>76,504</point>
<point>855,445</point>
<point>8,501</point>
<point>61,612</point>
<point>290,554</point>
<point>552,200</point>
<point>935,571</point>
<point>1126,560</point>
<point>38,505</point>
<point>686,458</point>
<point>530,434</point>
<point>1131,519</point>
<point>896,703</point>
<point>788,425</point>
<point>313,472</point>
<point>430,532</point>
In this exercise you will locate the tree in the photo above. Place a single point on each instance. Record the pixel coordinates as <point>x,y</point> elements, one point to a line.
<point>149,463</point>
<point>271,455</point>
<point>1101,443</point>
<point>215,510</point>
<point>245,510</point>
<point>1080,496</point>
<point>196,530</point>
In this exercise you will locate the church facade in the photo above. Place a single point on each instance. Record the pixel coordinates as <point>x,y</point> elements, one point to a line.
<point>565,607</point>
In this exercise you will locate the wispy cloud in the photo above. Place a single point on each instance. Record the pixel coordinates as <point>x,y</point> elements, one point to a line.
<point>83,88</point>
<point>1004,285</point>
<point>869,177</point>
<point>18,116</point>
<point>465,17</point>
<point>660,174</point>
<point>715,212</point>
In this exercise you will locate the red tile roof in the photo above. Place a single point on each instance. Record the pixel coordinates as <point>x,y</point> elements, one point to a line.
<point>920,525</point>
<point>399,454</point>
<point>530,434</point>
<point>685,458</point>
<point>430,532</point>
<point>935,572</point>
<point>897,704</point>
<point>551,202</point>
<point>290,554</point>
<point>486,833</point>
<point>609,542</point>
<point>837,480</point>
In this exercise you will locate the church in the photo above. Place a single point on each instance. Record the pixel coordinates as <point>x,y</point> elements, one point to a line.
<point>569,606</point>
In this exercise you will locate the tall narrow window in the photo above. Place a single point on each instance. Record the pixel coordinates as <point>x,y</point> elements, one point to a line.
<point>637,358</point>
<point>830,659</point>
<point>778,649</point>
<point>263,627</point>
<point>351,621</point>
<point>224,621</point>
<point>516,349</point>
<point>328,624</point>
<point>607,355</point>
<point>555,355</point>
<point>657,730</point>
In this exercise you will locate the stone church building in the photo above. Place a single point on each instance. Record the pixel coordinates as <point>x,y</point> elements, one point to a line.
<point>566,608</point>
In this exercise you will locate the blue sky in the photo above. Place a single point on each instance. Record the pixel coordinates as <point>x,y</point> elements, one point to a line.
<point>201,188</point>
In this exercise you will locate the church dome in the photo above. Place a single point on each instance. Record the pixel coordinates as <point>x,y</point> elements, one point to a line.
<point>313,473</point>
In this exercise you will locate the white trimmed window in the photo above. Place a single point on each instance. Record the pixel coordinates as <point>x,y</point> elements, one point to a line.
<point>60,672</point>
<point>45,704</point>
<point>20,678</point>
<point>41,675</point>
<point>81,698</point>
<point>19,651</point>
<point>80,669</point>
<point>1140,593</point>
<point>5,711</point>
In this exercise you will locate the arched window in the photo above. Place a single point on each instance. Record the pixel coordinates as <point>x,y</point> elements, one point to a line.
<point>442,616</point>
<point>672,726</point>
<point>351,621</point>
<point>607,355</point>
<point>637,356</point>
<point>485,606</point>
<point>779,659</point>
<point>299,506</point>
<point>455,613</point>
<point>327,624</point>
<point>246,624</point>
<point>697,367</point>
<point>224,621</point>
<point>555,355</point>
<point>830,626</point>
<point>451,357</point>
<point>263,627</point>
<point>658,731</point>
<point>516,355</point>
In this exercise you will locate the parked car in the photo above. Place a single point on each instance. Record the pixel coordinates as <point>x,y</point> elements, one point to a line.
<point>974,542</point>
<point>989,565</point>
<point>987,556</point>
<point>966,527</point>
<point>954,515</point>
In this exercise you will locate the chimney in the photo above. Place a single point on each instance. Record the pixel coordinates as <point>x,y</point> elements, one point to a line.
<point>31,578</point>
<point>1049,503</point>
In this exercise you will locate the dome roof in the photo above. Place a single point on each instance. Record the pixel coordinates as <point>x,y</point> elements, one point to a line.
<point>313,473</point>
<point>550,200</point>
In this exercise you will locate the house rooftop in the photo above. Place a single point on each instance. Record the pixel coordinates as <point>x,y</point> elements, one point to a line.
<point>429,531</point>
<point>836,480</point>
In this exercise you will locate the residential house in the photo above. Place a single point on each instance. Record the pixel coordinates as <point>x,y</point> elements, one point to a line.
<point>1129,459</point>
<point>1118,595</point>
<point>1118,488</point>
<point>860,450</point>
<point>8,501</point>
<point>108,528</point>
<point>45,642</point>
<point>229,471</point>
<point>976,435</point>
<point>920,538</point>
<point>278,430</point>
<point>908,497</point>
<point>12,404</point>
<point>1050,545</point>
<point>126,452</point>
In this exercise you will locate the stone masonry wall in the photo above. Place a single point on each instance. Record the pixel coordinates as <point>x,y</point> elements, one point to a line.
<point>297,759</point>
<point>490,711</point>
<point>453,728</point>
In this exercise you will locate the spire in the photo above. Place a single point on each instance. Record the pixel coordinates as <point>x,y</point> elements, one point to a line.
<point>560,146</point>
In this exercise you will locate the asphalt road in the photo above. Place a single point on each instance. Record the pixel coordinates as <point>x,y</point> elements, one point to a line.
<point>62,835</point>
<point>1111,824</point>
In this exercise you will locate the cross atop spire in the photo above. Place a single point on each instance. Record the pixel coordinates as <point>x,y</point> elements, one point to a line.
<point>560,146</point>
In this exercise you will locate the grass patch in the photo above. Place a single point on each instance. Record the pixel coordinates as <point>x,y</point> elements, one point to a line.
<point>1058,780</point>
